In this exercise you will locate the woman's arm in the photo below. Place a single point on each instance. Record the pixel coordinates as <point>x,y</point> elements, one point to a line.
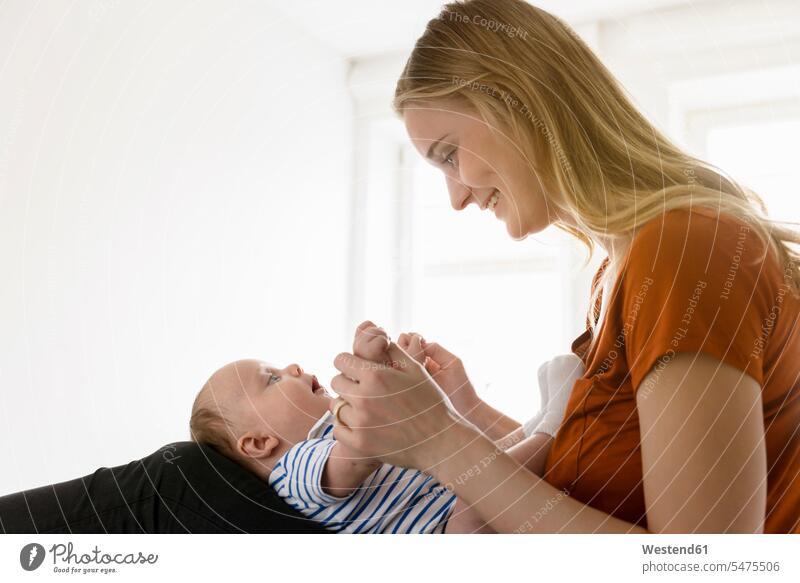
<point>449,373</point>
<point>531,452</point>
<point>345,470</point>
<point>411,426</point>
<point>703,450</point>
<point>494,424</point>
<point>703,460</point>
<point>511,439</point>
<point>508,497</point>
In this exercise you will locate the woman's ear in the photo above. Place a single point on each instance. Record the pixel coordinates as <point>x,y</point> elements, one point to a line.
<point>255,446</point>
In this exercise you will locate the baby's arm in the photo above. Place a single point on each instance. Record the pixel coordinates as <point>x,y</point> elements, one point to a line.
<point>345,470</point>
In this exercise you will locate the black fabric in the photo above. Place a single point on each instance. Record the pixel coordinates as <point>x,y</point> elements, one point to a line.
<point>183,487</point>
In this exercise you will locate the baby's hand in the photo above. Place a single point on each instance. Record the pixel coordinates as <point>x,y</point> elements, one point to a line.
<point>414,344</point>
<point>371,343</point>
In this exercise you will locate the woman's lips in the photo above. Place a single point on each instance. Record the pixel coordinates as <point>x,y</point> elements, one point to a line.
<point>315,386</point>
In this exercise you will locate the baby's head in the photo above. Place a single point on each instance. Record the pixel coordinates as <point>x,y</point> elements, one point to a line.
<point>253,412</point>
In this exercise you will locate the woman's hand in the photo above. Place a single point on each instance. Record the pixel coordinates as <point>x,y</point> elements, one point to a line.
<point>445,368</point>
<point>395,411</point>
<point>448,371</point>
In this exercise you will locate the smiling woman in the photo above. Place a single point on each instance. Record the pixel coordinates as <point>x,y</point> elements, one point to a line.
<point>471,152</point>
<point>677,409</point>
<point>686,417</point>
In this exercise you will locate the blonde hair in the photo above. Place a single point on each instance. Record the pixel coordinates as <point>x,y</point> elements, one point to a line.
<point>526,73</point>
<point>210,424</point>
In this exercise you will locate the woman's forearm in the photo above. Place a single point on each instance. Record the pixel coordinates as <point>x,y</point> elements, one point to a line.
<point>494,424</point>
<point>508,497</point>
<point>531,452</point>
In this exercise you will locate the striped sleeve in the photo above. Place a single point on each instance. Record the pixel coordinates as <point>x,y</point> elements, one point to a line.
<point>297,477</point>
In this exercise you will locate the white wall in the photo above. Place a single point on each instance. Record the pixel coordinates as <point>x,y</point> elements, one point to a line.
<point>174,194</point>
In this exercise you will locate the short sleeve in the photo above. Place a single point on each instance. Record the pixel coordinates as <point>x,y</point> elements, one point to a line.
<point>297,477</point>
<point>694,283</point>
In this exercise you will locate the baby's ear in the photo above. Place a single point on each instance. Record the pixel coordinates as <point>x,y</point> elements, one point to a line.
<point>253,446</point>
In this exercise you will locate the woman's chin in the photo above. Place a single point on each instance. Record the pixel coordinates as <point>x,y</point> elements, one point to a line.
<point>518,231</point>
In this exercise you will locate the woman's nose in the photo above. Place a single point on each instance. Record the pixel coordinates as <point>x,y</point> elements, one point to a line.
<point>294,369</point>
<point>460,195</point>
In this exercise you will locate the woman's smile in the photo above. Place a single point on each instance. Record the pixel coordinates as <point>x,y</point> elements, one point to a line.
<point>491,202</point>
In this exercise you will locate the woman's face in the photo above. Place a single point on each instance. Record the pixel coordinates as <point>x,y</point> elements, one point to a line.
<point>479,162</point>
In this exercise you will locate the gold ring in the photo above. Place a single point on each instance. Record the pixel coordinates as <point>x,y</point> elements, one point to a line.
<point>338,407</point>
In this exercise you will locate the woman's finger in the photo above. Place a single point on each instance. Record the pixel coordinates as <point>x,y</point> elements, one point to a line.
<point>344,415</point>
<point>343,386</point>
<point>353,367</point>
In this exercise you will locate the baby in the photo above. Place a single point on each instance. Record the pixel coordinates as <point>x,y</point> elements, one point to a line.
<point>276,423</point>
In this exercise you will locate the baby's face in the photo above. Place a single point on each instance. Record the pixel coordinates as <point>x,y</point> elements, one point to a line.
<point>285,401</point>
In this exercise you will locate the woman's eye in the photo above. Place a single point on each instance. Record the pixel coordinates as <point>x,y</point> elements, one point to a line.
<point>273,378</point>
<point>450,159</point>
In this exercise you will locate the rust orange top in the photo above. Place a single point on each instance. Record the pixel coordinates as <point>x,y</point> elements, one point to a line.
<point>692,281</point>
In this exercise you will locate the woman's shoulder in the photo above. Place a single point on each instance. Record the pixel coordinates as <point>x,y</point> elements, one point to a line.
<point>696,239</point>
<point>697,280</point>
<point>682,226</point>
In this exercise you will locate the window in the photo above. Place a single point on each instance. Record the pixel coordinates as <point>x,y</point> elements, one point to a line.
<point>503,306</point>
<point>747,125</point>
<point>762,155</point>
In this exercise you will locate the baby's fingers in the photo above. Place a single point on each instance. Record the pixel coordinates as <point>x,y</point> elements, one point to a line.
<point>415,348</point>
<point>403,340</point>
<point>371,344</point>
<point>364,325</point>
<point>432,366</point>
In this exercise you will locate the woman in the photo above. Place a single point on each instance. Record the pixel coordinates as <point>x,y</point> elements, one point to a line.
<point>688,415</point>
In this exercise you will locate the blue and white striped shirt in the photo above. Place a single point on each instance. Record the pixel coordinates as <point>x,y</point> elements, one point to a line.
<point>390,500</point>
